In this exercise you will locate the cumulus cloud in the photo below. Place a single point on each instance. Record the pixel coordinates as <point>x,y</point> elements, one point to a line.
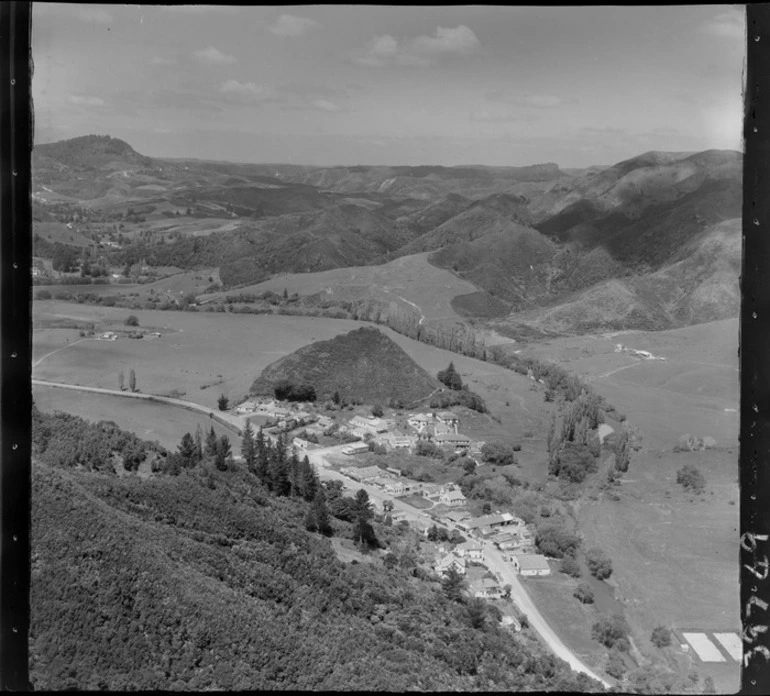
<point>292,26</point>
<point>727,25</point>
<point>213,56</point>
<point>84,100</point>
<point>244,91</point>
<point>97,15</point>
<point>421,51</point>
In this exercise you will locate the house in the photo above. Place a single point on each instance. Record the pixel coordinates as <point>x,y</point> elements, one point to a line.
<point>491,521</point>
<point>429,490</point>
<point>470,549</point>
<point>459,442</point>
<point>109,336</point>
<point>531,564</point>
<point>393,470</point>
<point>511,623</point>
<point>395,487</point>
<point>419,421</point>
<point>246,407</point>
<point>357,448</point>
<point>487,588</point>
<point>443,565</point>
<point>364,473</point>
<point>452,497</point>
<point>398,441</point>
<point>324,421</point>
<point>299,443</point>
<point>368,425</point>
<point>448,418</point>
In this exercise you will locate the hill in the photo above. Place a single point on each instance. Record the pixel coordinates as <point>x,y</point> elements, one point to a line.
<point>207,580</point>
<point>364,366</point>
<point>89,152</point>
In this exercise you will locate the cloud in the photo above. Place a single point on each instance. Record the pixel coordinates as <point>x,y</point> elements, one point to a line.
<point>159,60</point>
<point>213,56</point>
<point>84,100</point>
<point>97,15</point>
<point>421,51</point>
<point>727,25</point>
<point>247,92</point>
<point>496,116</point>
<point>534,101</point>
<point>200,9</point>
<point>292,26</point>
<point>325,105</point>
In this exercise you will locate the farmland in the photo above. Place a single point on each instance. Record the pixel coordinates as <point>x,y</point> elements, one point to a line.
<point>149,421</point>
<point>410,278</point>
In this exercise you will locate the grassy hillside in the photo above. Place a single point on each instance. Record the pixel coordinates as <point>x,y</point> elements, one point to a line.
<point>205,581</point>
<point>363,365</point>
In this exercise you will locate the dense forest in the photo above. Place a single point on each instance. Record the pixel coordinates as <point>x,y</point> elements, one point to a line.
<point>206,577</point>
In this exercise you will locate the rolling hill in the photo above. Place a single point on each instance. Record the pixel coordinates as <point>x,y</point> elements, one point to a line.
<point>364,366</point>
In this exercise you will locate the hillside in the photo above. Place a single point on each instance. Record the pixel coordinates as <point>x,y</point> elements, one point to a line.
<point>363,365</point>
<point>208,580</point>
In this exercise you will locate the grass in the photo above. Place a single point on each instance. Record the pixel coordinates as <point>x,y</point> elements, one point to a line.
<point>148,421</point>
<point>675,556</point>
<point>416,501</point>
<point>410,277</point>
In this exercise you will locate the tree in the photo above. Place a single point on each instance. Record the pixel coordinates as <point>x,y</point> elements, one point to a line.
<point>691,478</point>
<point>425,448</point>
<point>623,451</point>
<point>132,380</point>
<point>211,442</point>
<point>507,589</point>
<point>363,513</point>
<point>187,449</point>
<point>132,320</point>
<point>469,465</point>
<point>616,666</point>
<point>584,593</point>
<point>387,505</point>
<point>336,398</point>
<point>555,540</point>
<point>377,411</point>
<point>321,513</point>
<point>569,566</point>
<point>285,294</point>
<point>708,686</point>
<point>599,563</point>
<point>611,631</point>
<point>450,378</point>
<point>127,270</point>
<point>121,381</point>
<point>477,612</point>
<point>223,402</point>
<point>498,453</point>
<point>198,443</point>
<point>661,637</point>
<point>223,456</point>
<point>248,452</point>
<point>453,585</point>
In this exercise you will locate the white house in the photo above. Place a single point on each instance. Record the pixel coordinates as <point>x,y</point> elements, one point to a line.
<point>246,407</point>
<point>356,448</point>
<point>457,441</point>
<point>452,498</point>
<point>470,549</point>
<point>443,565</point>
<point>395,487</point>
<point>448,418</point>
<point>488,588</point>
<point>368,425</point>
<point>419,421</point>
<point>531,564</point>
<point>299,443</point>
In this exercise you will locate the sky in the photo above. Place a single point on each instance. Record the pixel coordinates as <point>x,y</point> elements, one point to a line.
<point>345,85</point>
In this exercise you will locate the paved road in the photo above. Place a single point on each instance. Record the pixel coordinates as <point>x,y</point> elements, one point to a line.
<point>493,557</point>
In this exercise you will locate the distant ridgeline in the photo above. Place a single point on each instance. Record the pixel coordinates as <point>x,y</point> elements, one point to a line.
<point>209,580</point>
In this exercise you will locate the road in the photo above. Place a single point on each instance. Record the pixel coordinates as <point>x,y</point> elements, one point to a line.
<point>492,556</point>
<point>493,559</point>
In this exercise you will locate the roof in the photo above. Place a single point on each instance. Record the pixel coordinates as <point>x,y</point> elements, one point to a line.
<point>446,415</point>
<point>470,546</point>
<point>421,417</point>
<point>366,471</point>
<point>454,495</point>
<point>489,520</point>
<point>456,515</point>
<point>451,437</point>
<point>450,560</point>
<point>532,561</point>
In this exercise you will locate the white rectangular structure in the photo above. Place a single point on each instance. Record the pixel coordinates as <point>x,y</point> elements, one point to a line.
<point>732,643</point>
<point>706,650</point>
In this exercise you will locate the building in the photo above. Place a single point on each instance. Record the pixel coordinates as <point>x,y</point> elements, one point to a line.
<point>324,421</point>
<point>455,516</point>
<point>531,564</point>
<point>487,588</point>
<point>448,418</point>
<point>299,443</point>
<point>398,441</point>
<point>470,549</point>
<point>109,336</point>
<point>461,442</point>
<point>443,565</point>
<point>368,425</point>
<point>395,487</point>
<point>419,421</point>
<point>358,448</point>
<point>493,522</point>
<point>452,498</point>
<point>247,407</point>
<point>428,490</point>
<point>364,473</point>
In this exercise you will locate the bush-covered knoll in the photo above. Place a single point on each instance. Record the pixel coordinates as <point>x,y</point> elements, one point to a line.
<point>364,366</point>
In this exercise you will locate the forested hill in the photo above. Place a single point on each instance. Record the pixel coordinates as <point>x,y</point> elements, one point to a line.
<point>207,580</point>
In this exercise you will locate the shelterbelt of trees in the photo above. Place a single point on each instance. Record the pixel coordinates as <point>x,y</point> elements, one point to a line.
<point>206,577</point>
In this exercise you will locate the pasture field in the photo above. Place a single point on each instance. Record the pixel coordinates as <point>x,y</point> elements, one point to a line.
<point>163,423</point>
<point>695,390</point>
<point>410,278</point>
<point>224,353</point>
<point>675,555</point>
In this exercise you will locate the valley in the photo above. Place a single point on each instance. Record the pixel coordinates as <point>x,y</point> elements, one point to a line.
<point>613,286</point>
